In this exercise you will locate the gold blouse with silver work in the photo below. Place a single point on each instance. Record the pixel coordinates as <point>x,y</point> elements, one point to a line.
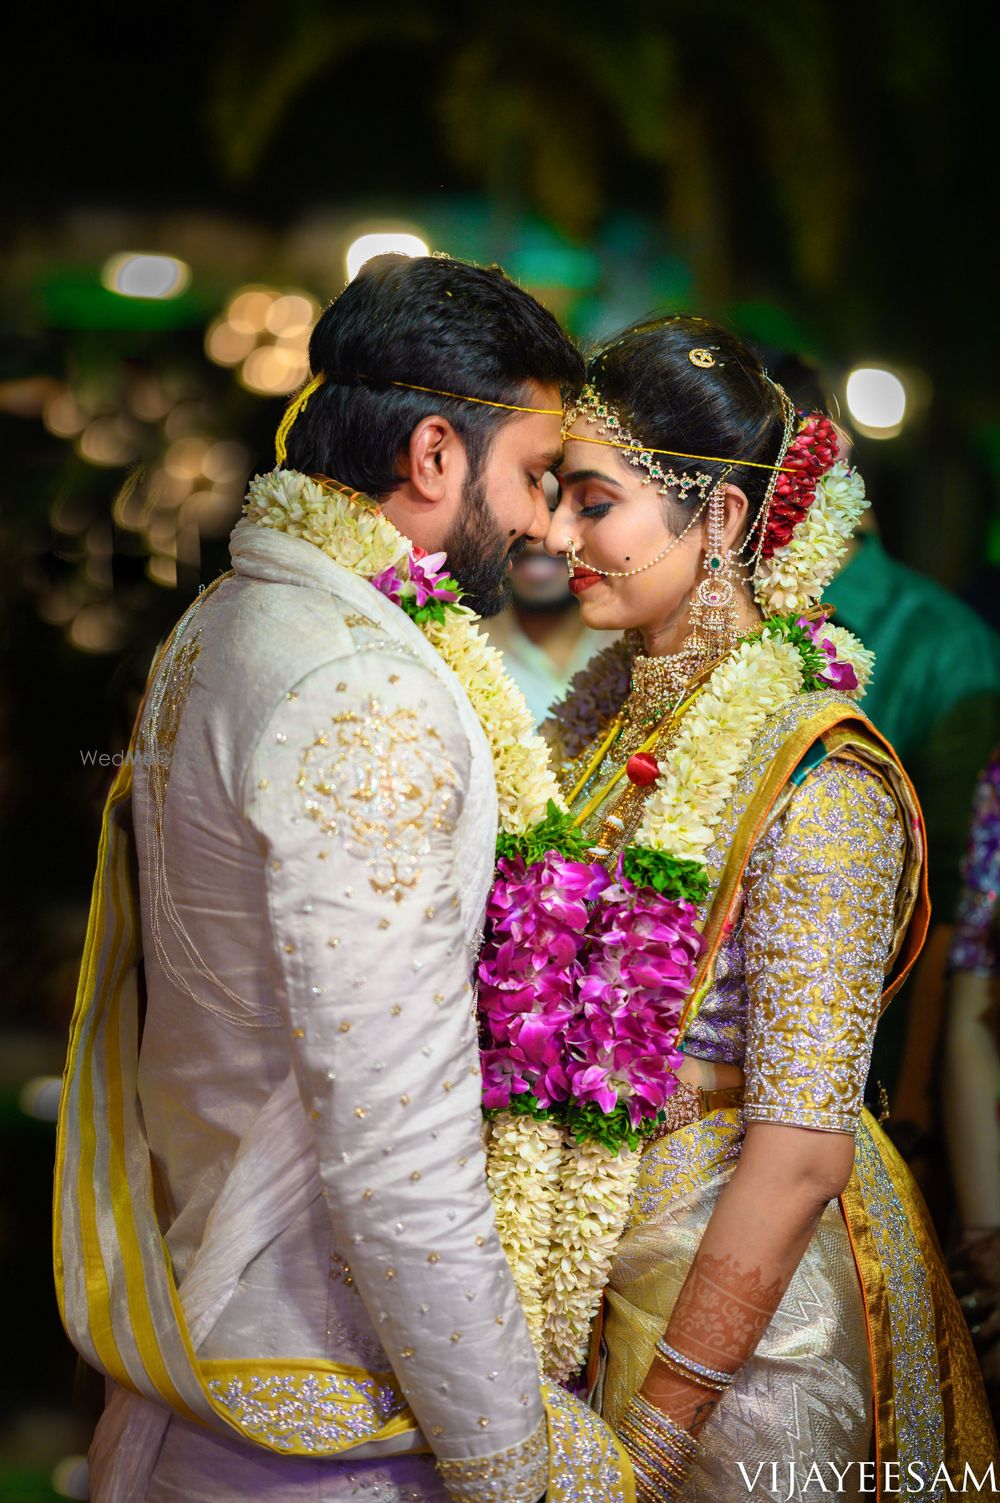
<point>796,989</point>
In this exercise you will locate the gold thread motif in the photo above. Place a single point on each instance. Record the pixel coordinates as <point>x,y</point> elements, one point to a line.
<point>170,697</point>
<point>517,1474</point>
<point>381,782</point>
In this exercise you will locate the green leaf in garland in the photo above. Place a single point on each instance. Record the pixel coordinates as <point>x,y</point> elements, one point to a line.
<point>814,661</point>
<point>555,832</point>
<point>526,1105</point>
<point>613,1130</point>
<point>671,876</point>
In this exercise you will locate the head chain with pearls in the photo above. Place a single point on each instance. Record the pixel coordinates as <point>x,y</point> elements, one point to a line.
<point>612,432</point>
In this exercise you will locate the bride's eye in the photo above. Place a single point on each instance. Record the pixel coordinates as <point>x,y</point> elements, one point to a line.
<point>597,509</point>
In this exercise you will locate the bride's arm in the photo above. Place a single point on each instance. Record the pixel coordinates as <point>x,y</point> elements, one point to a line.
<point>818,931</point>
<point>752,1245</point>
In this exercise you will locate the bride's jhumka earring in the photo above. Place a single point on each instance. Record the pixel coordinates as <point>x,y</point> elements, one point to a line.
<point>713,610</point>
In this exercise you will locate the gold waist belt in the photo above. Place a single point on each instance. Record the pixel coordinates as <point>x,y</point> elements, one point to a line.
<point>690,1103</point>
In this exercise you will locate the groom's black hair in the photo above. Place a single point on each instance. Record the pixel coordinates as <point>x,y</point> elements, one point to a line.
<point>429,321</point>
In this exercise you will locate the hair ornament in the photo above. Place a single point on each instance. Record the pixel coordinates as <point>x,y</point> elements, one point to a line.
<point>703,358</point>
<point>591,407</point>
<point>297,405</point>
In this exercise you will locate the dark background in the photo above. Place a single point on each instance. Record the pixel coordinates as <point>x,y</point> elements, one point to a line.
<point>819,175</point>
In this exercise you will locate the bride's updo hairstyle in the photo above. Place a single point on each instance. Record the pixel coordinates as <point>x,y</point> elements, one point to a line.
<point>687,385</point>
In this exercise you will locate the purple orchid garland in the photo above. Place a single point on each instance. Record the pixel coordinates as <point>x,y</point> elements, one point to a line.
<point>583,980</point>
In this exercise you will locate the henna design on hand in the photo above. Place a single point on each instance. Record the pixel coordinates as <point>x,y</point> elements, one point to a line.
<point>723,1310</point>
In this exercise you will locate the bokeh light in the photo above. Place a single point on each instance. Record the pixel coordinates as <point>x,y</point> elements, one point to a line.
<point>136,274</point>
<point>381,243</point>
<point>264,333</point>
<point>71,1478</point>
<point>876,400</point>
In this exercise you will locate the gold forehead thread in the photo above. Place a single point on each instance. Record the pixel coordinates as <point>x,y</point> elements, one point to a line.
<point>703,359</point>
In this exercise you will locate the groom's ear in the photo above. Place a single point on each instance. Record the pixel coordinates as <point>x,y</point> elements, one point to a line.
<point>435,459</point>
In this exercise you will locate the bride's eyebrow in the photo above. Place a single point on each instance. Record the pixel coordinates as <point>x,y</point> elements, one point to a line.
<point>577,477</point>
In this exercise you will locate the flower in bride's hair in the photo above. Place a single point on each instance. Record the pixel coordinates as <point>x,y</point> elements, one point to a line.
<point>798,571</point>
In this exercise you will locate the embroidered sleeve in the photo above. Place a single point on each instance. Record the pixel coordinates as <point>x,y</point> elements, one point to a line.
<point>820,888</point>
<point>974,945</point>
<point>355,789</point>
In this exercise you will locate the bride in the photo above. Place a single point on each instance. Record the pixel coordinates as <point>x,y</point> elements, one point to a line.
<point>777,1296</point>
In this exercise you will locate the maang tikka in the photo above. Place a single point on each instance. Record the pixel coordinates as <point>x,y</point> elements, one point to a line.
<point>714,606</point>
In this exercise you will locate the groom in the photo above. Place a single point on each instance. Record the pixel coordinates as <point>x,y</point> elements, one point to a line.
<point>273,1227</point>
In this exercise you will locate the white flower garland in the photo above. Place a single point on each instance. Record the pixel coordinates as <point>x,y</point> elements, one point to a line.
<point>523,1170</point>
<point>356,535</point>
<point>699,772</point>
<point>595,1188</point>
<point>797,573</point>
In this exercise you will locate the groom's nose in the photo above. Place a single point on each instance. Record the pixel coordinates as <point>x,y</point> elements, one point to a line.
<point>540,521</point>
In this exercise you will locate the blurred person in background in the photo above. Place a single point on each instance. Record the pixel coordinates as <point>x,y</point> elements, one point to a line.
<point>541,633</point>
<point>972,1078</point>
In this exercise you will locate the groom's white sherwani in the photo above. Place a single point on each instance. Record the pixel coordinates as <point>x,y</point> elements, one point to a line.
<point>315,820</point>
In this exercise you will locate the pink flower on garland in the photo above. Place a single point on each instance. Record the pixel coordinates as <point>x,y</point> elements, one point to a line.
<point>639,969</point>
<point>837,673</point>
<point>582,984</point>
<point>537,921</point>
<point>426,579</point>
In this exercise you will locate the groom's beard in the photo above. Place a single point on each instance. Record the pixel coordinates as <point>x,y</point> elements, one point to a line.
<point>478,553</point>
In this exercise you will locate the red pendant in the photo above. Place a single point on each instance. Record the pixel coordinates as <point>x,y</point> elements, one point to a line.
<point>642,769</point>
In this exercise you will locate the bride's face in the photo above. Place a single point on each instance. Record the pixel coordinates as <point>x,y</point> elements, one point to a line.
<point>617,523</point>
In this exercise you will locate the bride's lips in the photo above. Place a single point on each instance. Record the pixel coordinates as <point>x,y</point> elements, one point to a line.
<point>582,579</point>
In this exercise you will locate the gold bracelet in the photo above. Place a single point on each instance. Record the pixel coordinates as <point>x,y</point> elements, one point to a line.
<point>689,1376</point>
<point>688,1365</point>
<point>652,1477</point>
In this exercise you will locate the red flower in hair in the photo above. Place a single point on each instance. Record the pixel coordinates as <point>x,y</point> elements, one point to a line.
<point>810,454</point>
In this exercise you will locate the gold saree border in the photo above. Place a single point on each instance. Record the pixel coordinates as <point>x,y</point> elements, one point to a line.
<point>777,752</point>
<point>967,1425</point>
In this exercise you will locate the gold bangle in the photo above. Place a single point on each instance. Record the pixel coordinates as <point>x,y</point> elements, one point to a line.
<point>652,1451</point>
<point>689,1376</point>
<point>660,1421</point>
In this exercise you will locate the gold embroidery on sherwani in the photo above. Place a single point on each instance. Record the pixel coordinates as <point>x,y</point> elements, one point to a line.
<point>166,705</point>
<point>382,783</point>
<point>170,688</point>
